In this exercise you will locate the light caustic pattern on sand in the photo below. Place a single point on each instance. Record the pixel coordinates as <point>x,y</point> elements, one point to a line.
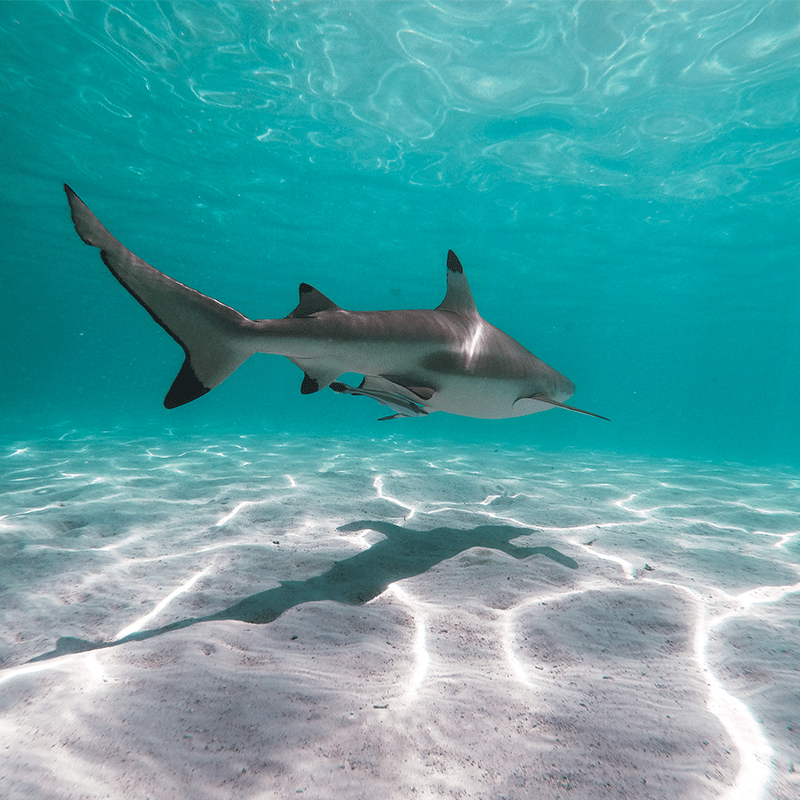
<point>441,619</point>
<point>714,606</point>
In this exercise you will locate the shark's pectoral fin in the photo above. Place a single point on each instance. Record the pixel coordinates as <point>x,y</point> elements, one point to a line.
<point>540,401</point>
<point>381,390</point>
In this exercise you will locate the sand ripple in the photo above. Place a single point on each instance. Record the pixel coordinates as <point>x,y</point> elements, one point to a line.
<point>257,615</point>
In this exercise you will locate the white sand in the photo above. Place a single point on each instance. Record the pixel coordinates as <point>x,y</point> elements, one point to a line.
<point>455,622</point>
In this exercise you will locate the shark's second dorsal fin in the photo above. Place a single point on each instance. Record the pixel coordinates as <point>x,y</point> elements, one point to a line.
<point>458,297</point>
<point>312,301</point>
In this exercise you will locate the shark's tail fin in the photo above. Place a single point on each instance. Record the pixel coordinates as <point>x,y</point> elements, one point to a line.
<point>213,336</point>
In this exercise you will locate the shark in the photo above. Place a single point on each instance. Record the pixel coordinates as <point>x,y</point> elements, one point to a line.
<point>414,362</point>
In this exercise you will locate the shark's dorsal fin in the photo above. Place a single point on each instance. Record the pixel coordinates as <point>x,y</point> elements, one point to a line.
<point>458,297</point>
<point>312,301</point>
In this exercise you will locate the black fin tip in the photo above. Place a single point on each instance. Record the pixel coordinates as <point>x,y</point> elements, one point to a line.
<point>453,264</point>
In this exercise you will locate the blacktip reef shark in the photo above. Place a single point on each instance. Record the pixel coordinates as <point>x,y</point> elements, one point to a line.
<point>413,361</point>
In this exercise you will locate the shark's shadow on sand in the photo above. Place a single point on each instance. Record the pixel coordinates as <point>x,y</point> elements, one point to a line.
<point>356,580</point>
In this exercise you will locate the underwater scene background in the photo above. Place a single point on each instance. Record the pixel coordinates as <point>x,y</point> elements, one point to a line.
<point>620,181</point>
<point>263,594</point>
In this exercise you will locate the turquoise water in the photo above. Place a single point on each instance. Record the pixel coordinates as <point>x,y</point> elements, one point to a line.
<point>620,181</point>
<point>264,593</point>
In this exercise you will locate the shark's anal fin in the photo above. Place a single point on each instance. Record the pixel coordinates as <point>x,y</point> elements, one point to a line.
<point>309,385</point>
<point>543,398</point>
<point>317,375</point>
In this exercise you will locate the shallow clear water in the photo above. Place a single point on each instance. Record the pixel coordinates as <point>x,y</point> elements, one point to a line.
<point>621,183</point>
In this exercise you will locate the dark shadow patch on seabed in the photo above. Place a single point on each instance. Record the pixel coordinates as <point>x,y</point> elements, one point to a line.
<point>402,554</point>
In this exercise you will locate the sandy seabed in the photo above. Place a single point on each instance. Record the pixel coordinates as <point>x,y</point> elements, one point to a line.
<point>276,616</point>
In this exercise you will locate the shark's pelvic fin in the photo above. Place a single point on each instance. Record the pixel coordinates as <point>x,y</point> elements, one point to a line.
<point>543,398</point>
<point>458,297</point>
<point>210,333</point>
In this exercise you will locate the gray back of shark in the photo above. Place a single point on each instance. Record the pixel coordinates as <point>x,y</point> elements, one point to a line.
<point>413,361</point>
